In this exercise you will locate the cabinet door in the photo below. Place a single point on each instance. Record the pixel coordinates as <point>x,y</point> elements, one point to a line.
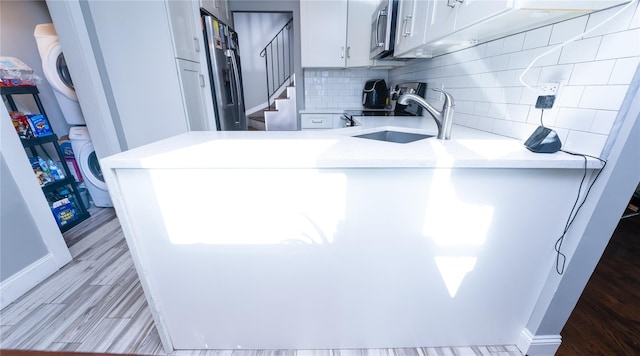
<point>359,32</point>
<point>316,121</point>
<point>442,20</point>
<point>184,28</point>
<point>219,9</point>
<point>474,11</point>
<point>413,18</point>
<point>323,27</point>
<point>192,87</point>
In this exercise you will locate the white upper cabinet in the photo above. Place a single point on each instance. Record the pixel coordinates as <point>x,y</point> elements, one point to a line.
<point>219,9</point>
<point>448,16</point>
<point>412,20</point>
<point>359,32</point>
<point>449,25</point>
<point>336,33</point>
<point>184,21</point>
<point>324,28</point>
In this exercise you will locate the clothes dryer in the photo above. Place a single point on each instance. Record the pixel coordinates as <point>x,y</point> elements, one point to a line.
<point>89,166</point>
<point>55,70</point>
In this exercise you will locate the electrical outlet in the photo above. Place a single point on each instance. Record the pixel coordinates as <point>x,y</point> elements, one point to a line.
<point>548,89</point>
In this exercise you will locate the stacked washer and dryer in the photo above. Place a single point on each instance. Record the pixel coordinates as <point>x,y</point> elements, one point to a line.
<point>57,74</point>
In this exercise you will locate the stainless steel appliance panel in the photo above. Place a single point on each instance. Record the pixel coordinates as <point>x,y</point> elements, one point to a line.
<point>383,29</point>
<point>224,75</point>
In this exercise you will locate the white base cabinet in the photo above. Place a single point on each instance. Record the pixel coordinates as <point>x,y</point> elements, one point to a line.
<point>192,86</point>
<point>323,121</point>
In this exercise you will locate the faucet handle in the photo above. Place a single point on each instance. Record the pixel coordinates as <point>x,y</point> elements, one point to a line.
<point>448,98</point>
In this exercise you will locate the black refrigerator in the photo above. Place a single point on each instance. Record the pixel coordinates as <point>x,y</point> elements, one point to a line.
<point>224,74</point>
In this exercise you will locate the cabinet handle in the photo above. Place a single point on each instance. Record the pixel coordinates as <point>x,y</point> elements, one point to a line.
<point>404,27</point>
<point>342,52</point>
<point>451,3</point>
<point>407,32</point>
<point>197,43</point>
<point>348,51</point>
<point>316,121</point>
<point>201,80</point>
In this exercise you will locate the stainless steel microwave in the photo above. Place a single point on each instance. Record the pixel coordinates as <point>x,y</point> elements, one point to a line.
<point>383,29</point>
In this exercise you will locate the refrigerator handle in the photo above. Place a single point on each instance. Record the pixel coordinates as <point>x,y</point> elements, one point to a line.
<point>229,53</point>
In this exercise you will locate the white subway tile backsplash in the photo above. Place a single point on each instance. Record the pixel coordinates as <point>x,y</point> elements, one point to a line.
<point>465,107</point>
<point>512,95</point>
<point>497,63</point>
<point>517,113</point>
<point>337,88</point>
<point>555,73</point>
<point>494,47</point>
<point>603,122</point>
<point>503,127</point>
<point>580,51</point>
<point>529,96</point>
<point>486,123</point>
<point>624,70</point>
<point>619,23</point>
<point>508,78</point>
<point>584,142</point>
<point>523,59</point>
<point>548,118</point>
<point>605,97</point>
<point>497,110</point>
<point>481,108</point>
<point>635,21</point>
<point>595,73</point>
<point>522,130</point>
<point>566,30</point>
<point>569,96</point>
<point>575,119</point>
<point>592,73</point>
<point>537,38</point>
<point>620,45</point>
<point>513,43</point>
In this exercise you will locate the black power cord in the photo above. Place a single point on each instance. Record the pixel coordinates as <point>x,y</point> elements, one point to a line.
<point>561,257</point>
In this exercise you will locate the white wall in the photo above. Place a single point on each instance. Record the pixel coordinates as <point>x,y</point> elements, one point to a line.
<point>31,244</point>
<point>255,30</point>
<point>597,70</point>
<point>18,19</point>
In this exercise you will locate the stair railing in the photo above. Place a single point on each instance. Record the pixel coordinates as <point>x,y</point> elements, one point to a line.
<point>278,55</point>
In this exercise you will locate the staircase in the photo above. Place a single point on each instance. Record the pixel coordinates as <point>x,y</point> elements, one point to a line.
<point>280,113</point>
<point>280,116</point>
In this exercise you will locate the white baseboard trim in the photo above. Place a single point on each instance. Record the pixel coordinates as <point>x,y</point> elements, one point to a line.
<point>538,345</point>
<point>18,284</point>
<point>256,108</point>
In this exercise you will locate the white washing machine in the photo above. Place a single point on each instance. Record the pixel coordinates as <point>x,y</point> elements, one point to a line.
<point>89,166</point>
<point>55,70</point>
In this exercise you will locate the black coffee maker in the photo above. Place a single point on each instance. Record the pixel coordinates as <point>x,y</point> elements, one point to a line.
<point>375,94</point>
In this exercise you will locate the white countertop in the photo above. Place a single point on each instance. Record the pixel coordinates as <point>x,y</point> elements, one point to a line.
<point>468,148</point>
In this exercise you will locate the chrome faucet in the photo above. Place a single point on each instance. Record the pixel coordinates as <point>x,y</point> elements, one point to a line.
<point>444,118</point>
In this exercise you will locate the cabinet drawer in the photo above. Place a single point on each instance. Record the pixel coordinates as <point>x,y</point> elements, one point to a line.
<point>316,121</point>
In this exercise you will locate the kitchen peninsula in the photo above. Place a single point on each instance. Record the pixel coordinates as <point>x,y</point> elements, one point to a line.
<point>322,240</point>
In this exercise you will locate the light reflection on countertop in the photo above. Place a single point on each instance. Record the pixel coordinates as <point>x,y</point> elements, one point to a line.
<point>468,148</point>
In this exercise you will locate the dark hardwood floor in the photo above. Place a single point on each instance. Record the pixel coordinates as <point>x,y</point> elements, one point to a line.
<point>606,320</point>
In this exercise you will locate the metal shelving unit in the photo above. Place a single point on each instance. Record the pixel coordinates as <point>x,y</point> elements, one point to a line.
<point>32,144</point>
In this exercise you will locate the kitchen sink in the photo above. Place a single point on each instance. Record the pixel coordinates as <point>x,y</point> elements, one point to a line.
<point>394,136</point>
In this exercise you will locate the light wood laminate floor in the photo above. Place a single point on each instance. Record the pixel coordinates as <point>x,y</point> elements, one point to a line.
<point>95,304</point>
